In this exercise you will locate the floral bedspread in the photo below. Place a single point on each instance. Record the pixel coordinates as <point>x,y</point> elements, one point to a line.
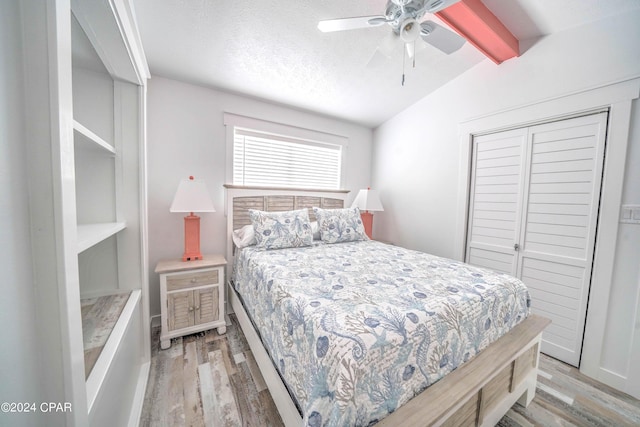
<point>357,329</point>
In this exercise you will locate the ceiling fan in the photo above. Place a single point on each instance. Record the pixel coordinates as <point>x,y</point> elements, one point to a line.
<point>403,17</point>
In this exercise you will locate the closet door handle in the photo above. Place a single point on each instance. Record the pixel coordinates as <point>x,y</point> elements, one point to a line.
<point>516,247</point>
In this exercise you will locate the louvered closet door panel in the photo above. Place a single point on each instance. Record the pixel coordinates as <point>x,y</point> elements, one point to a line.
<point>563,179</point>
<point>494,217</point>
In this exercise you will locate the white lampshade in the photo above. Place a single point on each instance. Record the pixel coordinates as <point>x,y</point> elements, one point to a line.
<point>192,196</point>
<point>367,200</point>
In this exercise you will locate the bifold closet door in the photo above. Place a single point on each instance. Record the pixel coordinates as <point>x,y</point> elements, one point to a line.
<point>559,224</point>
<point>496,200</point>
<point>533,212</point>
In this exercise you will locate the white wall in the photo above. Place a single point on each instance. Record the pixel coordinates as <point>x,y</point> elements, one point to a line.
<point>186,136</point>
<point>19,349</point>
<point>417,153</point>
<point>625,289</point>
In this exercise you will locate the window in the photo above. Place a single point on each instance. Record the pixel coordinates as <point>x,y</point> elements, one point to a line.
<point>264,159</point>
<point>271,154</point>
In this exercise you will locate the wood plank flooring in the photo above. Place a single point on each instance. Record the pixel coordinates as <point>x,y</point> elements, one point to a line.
<point>206,379</point>
<point>99,316</point>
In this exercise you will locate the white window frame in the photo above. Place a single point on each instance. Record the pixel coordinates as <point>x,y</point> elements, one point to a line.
<point>231,121</point>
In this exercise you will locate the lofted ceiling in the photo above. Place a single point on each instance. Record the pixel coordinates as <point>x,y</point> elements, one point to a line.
<point>272,50</point>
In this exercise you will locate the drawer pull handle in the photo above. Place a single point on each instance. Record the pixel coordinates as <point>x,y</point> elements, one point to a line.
<point>198,308</point>
<point>193,280</point>
<point>190,308</point>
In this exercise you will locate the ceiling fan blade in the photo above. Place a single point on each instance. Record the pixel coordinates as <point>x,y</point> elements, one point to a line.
<point>385,50</point>
<point>378,59</point>
<point>389,44</point>
<point>342,24</point>
<point>440,37</point>
<point>433,6</point>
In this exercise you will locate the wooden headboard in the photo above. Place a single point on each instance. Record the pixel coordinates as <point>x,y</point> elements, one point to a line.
<point>240,199</point>
<point>242,204</point>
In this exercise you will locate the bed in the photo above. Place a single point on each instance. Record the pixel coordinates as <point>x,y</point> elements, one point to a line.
<point>362,332</point>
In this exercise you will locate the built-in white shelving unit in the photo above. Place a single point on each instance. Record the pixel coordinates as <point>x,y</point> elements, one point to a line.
<point>108,91</point>
<point>85,91</point>
<point>102,371</point>
<point>92,234</point>
<point>84,138</point>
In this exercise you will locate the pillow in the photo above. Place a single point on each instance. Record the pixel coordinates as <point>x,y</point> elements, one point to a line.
<point>340,225</point>
<point>244,236</point>
<point>278,230</point>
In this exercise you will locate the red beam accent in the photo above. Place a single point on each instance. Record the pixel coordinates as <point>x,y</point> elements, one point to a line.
<point>473,21</point>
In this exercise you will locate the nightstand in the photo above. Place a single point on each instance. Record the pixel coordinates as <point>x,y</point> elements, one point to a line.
<point>191,297</point>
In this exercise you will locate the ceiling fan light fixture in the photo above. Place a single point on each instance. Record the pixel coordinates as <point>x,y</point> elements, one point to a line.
<point>410,31</point>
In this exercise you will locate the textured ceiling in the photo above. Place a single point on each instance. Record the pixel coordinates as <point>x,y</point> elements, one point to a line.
<point>534,18</point>
<point>272,49</point>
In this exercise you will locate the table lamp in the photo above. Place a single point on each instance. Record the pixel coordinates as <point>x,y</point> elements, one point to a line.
<point>367,201</point>
<point>192,196</point>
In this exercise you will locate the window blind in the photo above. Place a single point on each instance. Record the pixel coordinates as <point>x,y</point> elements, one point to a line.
<point>261,158</point>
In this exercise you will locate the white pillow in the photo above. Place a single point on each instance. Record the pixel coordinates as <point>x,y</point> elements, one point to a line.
<point>244,236</point>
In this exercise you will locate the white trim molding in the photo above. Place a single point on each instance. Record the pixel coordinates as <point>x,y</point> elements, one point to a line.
<point>617,98</point>
<point>633,387</point>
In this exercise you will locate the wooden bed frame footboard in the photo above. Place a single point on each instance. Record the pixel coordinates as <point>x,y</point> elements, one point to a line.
<point>478,393</point>
<point>482,390</point>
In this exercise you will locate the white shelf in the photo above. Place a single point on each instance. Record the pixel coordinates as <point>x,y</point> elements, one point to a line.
<point>90,140</point>
<point>101,368</point>
<point>91,234</point>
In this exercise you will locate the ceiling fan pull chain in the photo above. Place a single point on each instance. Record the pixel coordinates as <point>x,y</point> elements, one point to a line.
<point>404,56</point>
<point>414,54</point>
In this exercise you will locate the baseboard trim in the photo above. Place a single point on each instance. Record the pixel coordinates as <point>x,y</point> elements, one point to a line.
<point>155,321</point>
<point>612,379</point>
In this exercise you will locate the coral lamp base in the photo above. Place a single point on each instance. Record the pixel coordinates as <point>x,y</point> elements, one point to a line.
<point>367,221</point>
<point>191,238</point>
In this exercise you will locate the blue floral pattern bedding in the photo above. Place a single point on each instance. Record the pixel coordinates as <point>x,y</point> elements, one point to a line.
<point>279,230</point>
<point>357,329</point>
<point>340,225</point>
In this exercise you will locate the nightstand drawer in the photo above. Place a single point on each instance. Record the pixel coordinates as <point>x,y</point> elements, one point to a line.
<point>176,282</point>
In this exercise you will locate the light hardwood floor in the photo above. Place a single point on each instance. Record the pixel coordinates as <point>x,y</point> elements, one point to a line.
<point>206,379</point>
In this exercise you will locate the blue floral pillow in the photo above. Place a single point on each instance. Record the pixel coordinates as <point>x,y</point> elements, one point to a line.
<point>277,230</point>
<point>340,225</point>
